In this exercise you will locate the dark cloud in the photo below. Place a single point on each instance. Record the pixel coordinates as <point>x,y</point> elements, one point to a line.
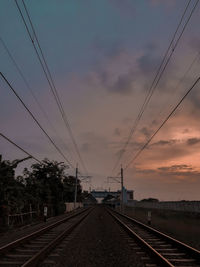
<point>182,170</point>
<point>154,122</point>
<point>165,142</point>
<point>123,72</point>
<point>163,151</point>
<point>123,85</point>
<point>144,171</point>
<point>146,132</point>
<point>193,141</point>
<point>148,63</point>
<point>175,168</point>
<point>184,144</point>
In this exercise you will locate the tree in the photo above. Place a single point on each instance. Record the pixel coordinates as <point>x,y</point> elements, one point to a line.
<point>48,184</point>
<point>44,184</point>
<point>11,189</point>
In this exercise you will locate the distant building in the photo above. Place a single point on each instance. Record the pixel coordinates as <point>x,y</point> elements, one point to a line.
<point>128,194</point>
<point>88,199</point>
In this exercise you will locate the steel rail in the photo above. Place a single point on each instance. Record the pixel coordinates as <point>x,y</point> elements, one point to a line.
<point>192,251</point>
<point>157,256</point>
<point>16,243</point>
<point>40,256</point>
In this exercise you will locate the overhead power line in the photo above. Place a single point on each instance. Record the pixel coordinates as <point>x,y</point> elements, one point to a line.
<point>159,73</point>
<point>31,91</point>
<point>163,123</point>
<point>48,76</point>
<point>195,59</point>
<point>34,118</point>
<point>19,147</point>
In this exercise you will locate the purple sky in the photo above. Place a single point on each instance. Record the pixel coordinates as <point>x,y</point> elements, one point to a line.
<point>103,56</point>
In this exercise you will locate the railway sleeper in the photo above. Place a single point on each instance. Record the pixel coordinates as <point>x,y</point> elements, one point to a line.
<point>156,243</point>
<point>21,250</point>
<point>178,254</point>
<point>18,256</point>
<point>183,260</point>
<point>10,263</point>
<point>151,265</point>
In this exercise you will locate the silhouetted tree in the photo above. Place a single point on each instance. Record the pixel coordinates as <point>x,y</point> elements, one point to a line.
<point>44,183</point>
<point>48,184</point>
<point>12,191</point>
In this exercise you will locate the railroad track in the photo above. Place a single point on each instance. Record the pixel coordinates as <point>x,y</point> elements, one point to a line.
<point>34,249</point>
<point>154,247</point>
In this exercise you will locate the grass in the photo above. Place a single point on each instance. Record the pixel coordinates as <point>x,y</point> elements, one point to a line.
<point>184,226</point>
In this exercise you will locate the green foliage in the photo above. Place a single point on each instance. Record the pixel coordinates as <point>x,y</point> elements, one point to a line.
<point>45,183</point>
<point>12,191</point>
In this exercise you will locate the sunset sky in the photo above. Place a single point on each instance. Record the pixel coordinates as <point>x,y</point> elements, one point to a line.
<point>103,56</point>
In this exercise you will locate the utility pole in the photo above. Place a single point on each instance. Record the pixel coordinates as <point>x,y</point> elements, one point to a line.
<point>122,189</point>
<point>75,193</point>
<point>81,178</point>
<point>121,181</point>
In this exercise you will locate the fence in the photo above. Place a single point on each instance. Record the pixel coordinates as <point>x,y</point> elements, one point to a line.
<point>21,218</point>
<point>190,206</point>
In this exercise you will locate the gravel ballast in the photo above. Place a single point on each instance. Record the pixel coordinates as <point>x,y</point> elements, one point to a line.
<point>14,234</point>
<point>99,241</point>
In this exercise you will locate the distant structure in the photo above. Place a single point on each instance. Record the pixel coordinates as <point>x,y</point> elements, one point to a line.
<point>128,194</point>
<point>88,199</point>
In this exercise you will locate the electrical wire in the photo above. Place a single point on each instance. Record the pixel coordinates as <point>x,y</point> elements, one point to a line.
<point>49,78</point>
<point>158,76</point>
<point>34,118</point>
<point>163,123</point>
<point>195,59</point>
<point>31,91</point>
<point>20,148</point>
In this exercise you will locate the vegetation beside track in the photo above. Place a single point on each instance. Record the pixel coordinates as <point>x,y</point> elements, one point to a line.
<point>44,184</point>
